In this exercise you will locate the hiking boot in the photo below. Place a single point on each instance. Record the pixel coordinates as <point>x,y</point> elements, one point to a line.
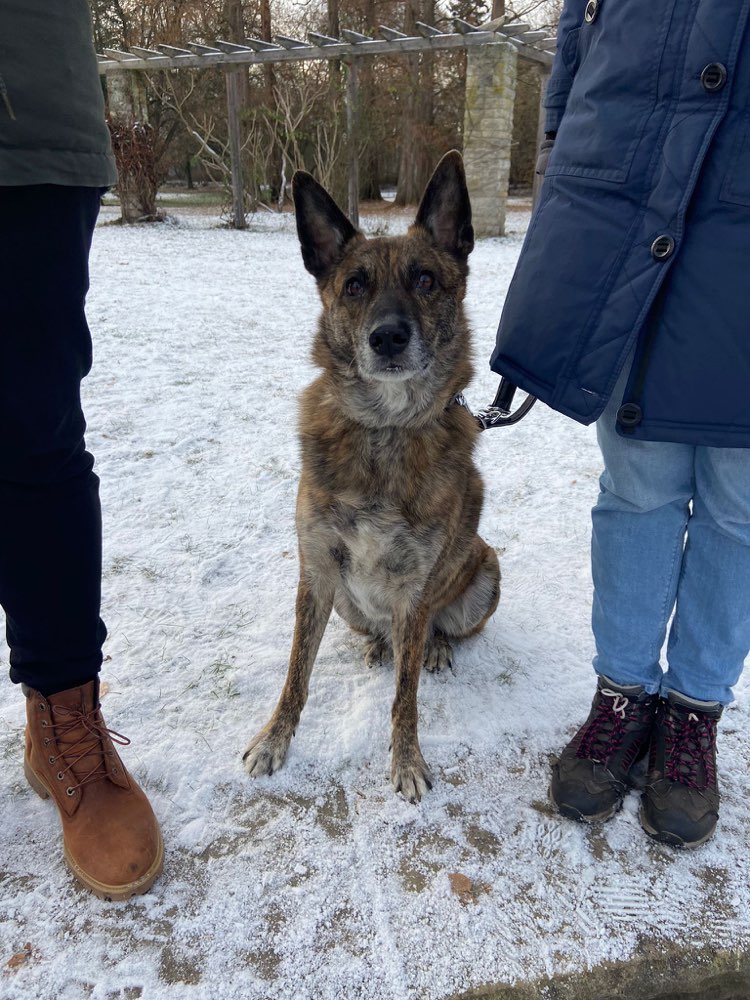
<point>112,842</point>
<point>591,778</point>
<point>680,804</point>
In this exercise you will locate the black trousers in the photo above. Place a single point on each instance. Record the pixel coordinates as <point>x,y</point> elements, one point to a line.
<point>50,517</point>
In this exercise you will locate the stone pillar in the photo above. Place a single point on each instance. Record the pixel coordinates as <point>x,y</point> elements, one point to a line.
<point>544,76</point>
<point>488,132</point>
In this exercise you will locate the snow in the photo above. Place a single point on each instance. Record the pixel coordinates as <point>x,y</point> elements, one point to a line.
<point>319,883</point>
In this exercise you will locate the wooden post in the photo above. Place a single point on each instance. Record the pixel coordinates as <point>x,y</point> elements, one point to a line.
<point>544,75</point>
<point>233,119</point>
<point>351,129</point>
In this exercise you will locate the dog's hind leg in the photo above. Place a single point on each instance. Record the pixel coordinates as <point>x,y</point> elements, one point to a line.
<point>377,645</point>
<point>438,654</point>
<point>377,650</point>
<point>409,772</point>
<point>267,751</point>
<point>467,614</point>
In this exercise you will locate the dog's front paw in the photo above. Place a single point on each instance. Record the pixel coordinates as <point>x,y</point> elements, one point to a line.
<point>410,775</point>
<point>438,655</point>
<point>266,752</point>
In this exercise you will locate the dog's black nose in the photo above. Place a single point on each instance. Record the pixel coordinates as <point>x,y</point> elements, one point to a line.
<point>390,339</point>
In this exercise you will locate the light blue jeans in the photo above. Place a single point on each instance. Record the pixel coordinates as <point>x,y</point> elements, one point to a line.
<point>671,532</point>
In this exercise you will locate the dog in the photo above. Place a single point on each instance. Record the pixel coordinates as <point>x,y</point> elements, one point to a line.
<point>389,498</point>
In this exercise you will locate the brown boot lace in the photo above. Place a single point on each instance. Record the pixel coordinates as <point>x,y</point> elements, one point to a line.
<point>87,737</point>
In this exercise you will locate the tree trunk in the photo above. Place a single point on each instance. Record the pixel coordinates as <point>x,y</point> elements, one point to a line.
<point>333,28</point>
<point>265,34</point>
<point>134,146</point>
<point>416,156</point>
<point>369,167</point>
<point>273,178</point>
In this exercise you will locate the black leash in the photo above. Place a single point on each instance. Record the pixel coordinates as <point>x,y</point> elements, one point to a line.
<point>500,412</point>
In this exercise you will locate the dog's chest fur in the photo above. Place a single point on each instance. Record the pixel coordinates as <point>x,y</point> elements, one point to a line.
<point>376,507</point>
<point>381,558</point>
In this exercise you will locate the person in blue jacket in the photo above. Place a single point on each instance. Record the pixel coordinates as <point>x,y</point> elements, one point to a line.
<point>630,306</point>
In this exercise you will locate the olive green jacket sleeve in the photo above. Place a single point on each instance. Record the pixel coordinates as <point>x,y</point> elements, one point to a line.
<point>52,128</point>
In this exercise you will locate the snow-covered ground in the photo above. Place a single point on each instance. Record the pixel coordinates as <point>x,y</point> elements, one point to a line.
<point>320,883</point>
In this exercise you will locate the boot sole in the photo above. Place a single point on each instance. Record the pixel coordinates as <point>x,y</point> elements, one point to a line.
<point>110,893</point>
<point>664,837</point>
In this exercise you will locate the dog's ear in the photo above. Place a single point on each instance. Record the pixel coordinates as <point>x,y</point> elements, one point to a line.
<point>445,210</point>
<point>322,227</point>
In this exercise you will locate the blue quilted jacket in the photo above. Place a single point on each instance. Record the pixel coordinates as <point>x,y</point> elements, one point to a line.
<point>641,239</point>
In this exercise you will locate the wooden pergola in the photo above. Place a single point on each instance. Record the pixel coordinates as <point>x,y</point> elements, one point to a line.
<point>531,45</point>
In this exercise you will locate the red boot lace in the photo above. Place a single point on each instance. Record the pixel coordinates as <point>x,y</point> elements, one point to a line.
<point>689,749</point>
<point>604,734</point>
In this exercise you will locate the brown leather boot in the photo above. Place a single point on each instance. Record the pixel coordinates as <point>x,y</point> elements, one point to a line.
<point>112,841</point>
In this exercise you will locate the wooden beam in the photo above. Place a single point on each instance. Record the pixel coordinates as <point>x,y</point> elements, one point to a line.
<point>172,52</point>
<point>290,43</point>
<point>258,45</point>
<point>322,40</point>
<point>257,52</point>
<point>514,29</point>
<point>354,36</point>
<point>426,30</point>
<point>119,56</point>
<point>390,34</point>
<point>203,50</point>
<point>232,48</point>
<point>463,27</point>
<point>145,53</point>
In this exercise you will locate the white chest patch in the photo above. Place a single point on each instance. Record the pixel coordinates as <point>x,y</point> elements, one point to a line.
<point>383,561</point>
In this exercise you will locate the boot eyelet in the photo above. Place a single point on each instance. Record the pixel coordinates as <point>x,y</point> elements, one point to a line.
<point>44,723</point>
<point>52,760</point>
<point>60,776</point>
<point>47,741</point>
<point>70,791</point>
<point>42,707</point>
<point>114,770</point>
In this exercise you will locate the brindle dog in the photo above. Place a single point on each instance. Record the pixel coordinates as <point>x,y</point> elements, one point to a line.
<point>389,498</point>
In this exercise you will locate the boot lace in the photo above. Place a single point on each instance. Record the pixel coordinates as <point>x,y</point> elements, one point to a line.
<point>690,749</point>
<point>604,735</point>
<point>93,742</point>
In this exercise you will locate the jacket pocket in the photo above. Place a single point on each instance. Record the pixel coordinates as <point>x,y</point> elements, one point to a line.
<point>615,89</point>
<point>736,185</point>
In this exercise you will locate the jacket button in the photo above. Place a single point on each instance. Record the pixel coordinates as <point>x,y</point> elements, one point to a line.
<point>629,415</point>
<point>662,247</point>
<point>713,77</point>
<point>592,9</point>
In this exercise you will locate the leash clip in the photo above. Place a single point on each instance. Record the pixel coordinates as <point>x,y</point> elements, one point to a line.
<point>500,412</point>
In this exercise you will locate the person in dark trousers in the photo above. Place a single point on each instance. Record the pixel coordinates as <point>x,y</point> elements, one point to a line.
<point>629,307</point>
<point>55,162</point>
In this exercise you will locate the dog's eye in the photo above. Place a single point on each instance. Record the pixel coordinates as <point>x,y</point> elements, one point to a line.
<point>425,281</point>
<point>355,287</point>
